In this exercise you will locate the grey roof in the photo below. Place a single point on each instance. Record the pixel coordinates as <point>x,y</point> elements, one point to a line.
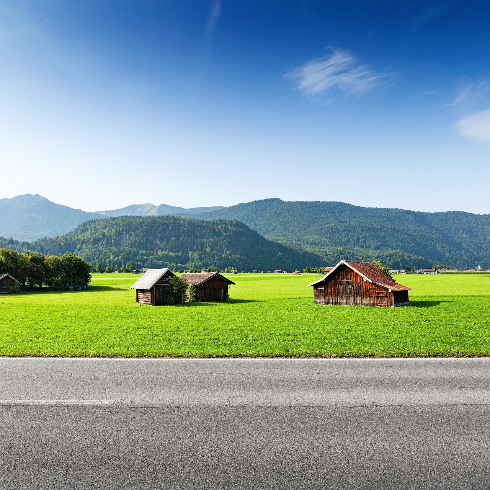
<point>150,278</point>
<point>8,275</point>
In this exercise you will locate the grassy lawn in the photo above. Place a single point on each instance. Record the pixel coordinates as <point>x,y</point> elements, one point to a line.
<point>267,315</point>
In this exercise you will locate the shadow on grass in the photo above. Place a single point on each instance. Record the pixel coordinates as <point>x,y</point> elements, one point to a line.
<point>425,304</point>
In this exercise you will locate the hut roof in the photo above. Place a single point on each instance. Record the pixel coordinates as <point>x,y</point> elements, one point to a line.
<point>370,272</point>
<point>150,278</point>
<point>2,276</point>
<point>198,278</point>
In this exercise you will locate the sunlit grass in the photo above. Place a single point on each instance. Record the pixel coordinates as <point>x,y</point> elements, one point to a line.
<point>267,315</point>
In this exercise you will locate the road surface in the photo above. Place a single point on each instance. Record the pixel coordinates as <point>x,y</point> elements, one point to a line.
<point>244,423</point>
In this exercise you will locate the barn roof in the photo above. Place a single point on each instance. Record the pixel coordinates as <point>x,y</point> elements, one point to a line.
<point>3,276</point>
<point>369,272</point>
<point>198,278</point>
<point>150,278</point>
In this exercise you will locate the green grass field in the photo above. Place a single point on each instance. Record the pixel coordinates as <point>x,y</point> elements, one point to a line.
<point>268,315</point>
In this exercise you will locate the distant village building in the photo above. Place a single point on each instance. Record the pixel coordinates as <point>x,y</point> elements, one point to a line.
<point>210,286</point>
<point>151,287</point>
<point>358,283</point>
<point>7,284</point>
<point>327,270</point>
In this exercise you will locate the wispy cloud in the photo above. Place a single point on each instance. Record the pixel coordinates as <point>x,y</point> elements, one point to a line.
<point>476,126</point>
<point>472,94</point>
<point>339,70</point>
<point>473,97</point>
<point>213,17</point>
<point>431,11</point>
<point>207,43</point>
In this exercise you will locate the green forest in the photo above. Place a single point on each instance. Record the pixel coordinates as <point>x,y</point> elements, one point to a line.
<point>337,230</point>
<point>174,242</point>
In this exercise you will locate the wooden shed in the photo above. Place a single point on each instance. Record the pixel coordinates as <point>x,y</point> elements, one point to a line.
<point>7,283</point>
<point>151,287</point>
<point>210,286</point>
<point>358,283</point>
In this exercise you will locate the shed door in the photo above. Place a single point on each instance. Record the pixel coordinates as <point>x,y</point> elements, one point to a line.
<point>382,298</point>
<point>346,293</point>
<point>215,294</point>
<point>159,295</point>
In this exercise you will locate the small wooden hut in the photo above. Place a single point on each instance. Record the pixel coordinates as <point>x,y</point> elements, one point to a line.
<point>151,287</point>
<point>210,286</point>
<point>7,284</point>
<point>358,283</point>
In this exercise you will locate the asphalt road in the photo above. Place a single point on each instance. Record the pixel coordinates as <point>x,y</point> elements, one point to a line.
<point>249,423</point>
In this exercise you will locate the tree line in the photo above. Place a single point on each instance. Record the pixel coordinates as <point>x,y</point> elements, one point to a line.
<point>35,270</point>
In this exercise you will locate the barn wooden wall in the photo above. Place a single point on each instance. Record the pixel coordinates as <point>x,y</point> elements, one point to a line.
<point>143,296</point>
<point>6,285</point>
<point>214,290</point>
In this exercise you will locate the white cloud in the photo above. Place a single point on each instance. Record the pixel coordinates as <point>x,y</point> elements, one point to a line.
<point>476,126</point>
<point>340,70</point>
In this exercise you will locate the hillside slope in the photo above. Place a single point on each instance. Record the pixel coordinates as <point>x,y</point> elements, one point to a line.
<point>336,230</point>
<point>166,241</point>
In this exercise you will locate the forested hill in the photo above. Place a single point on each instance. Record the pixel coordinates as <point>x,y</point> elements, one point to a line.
<point>338,230</point>
<point>167,241</point>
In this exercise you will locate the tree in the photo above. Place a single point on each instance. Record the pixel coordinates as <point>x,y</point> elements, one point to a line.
<point>36,269</point>
<point>76,271</point>
<point>14,263</point>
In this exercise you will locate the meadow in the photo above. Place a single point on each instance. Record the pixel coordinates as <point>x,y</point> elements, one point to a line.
<point>268,315</point>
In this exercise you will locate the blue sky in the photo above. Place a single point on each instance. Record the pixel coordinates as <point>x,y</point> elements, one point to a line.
<point>196,103</point>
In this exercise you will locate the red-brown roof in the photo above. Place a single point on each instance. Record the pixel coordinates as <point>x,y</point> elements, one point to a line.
<point>369,272</point>
<point>198,278</point>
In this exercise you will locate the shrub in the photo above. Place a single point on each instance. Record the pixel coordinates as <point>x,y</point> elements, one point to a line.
<point>176,292</point>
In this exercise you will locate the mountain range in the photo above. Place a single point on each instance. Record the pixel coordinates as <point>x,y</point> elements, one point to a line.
<point>30,217</point>
<point>329,230</point>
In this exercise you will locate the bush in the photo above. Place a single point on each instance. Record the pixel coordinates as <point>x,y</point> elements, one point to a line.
<point>176,292</point>
<point>190,295</point>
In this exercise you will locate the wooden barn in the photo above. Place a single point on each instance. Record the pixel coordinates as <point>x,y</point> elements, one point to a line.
<point>358,283</point>
<point>151,287</point>
<point>7,283</point>
<point>210,286</point>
